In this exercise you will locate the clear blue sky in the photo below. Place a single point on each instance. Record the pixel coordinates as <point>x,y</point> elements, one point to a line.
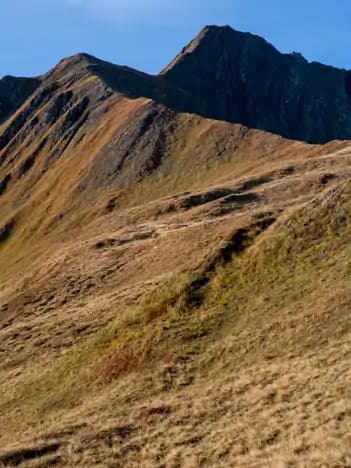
<point>146,34</point>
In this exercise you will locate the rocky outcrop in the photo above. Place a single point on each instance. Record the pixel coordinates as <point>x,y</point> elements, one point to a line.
<point>136,149</point>
<point>239,77</point>
<point>6,229</point>
<point>222,74</point>
<point>13,92</point>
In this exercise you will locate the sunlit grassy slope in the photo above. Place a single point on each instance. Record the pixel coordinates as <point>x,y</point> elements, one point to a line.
<point>244,361</point>
<point>174,290</point>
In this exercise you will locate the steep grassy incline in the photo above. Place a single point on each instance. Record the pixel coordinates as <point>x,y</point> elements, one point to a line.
<point>89,137</point>
<point>79,148</point>
<point>174,290</point>
<point>243,361</point>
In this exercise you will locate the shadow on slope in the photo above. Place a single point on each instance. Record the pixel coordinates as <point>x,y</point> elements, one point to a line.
<point>13,92</point>
<point>238,77</point>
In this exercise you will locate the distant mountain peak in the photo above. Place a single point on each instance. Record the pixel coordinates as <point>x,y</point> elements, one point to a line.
<point>229,75</point>
<point>70,65</point>
<point>240,77</point>
<point>80,58</point>
<point>209,32</point>
<point>220,39</point>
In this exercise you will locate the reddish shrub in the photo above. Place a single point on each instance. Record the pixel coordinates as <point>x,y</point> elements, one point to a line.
<point>122,362</point>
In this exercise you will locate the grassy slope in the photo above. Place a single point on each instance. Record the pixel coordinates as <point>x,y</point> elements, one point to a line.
<point>251,369</point>
<point>172,327</point>
<point>67,187</point>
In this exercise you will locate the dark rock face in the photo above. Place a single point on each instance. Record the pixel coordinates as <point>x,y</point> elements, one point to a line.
<point>6,229</point>
<point>222,74</point>
<point>4,183</point>
<point>137,148</point>
<point>348,84</point>
<point>13,92</point>
<point>241,78</point>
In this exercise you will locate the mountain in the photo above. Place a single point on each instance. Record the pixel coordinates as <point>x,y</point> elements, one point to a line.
<point>228,75</point>
<point>174,278</point>
<point>239,77</point>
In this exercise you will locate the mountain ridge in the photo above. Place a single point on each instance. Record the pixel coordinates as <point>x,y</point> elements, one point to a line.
<point>242,78</point>
<point>239,77</point>
<point>174,289</point>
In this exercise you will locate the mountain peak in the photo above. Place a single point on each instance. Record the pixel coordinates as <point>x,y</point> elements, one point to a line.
<point>224,74</point>
<point>214,41</point>
<point>72,64</point>
<point>205,33</point>
<point>242,78</point>
<point>80,57</point>
<point>213,29</point>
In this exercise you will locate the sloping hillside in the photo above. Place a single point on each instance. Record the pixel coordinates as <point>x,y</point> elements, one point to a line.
<point>243,358</point>
<point>173,288</point>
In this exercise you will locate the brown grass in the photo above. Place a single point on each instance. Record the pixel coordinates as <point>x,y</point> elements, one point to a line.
<point>255,379</point>
<point>201,320</point>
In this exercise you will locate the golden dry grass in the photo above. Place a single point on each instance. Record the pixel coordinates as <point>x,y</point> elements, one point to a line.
<point>257,379</point>
<point>255,376</point>
<point>137,328</point>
